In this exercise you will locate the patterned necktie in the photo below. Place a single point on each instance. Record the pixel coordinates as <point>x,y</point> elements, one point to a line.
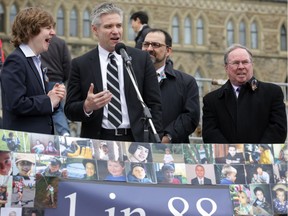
<point>237,91</point>
<point>114,107</point>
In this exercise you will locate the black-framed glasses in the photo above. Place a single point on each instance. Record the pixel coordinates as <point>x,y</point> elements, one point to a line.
<point>154,45</point>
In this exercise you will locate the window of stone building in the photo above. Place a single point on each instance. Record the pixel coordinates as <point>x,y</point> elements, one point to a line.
<point>187,31</point>
<point>175,29</point>
<point>13,12</point>
<point>200,31</point>
<point>60,22</point>
<point>73,23</point>
<point>86,24</point>
<point>230,33</point>
<point>254,35</point>
<point>200,84</point>
<point>283,38</point>
<point>2,17</point>
<point>242,33</point>
<point>131,34</point>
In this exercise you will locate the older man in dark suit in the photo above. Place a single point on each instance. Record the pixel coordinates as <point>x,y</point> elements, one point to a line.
<point>244,110</point>
<point>89,96</point>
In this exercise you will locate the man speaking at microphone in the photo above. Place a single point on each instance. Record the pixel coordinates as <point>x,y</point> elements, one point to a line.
<point>100,93</point>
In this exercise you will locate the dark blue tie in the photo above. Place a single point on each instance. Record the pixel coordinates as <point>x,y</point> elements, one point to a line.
<point>114,107</point>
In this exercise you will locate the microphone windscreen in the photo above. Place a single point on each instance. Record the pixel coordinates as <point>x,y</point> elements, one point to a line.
<point>119,46</point>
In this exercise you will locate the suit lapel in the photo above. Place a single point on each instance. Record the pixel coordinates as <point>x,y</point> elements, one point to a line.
<point>127,80</point>
<point>95,66</point>
<point>230,101</point>
<point>35,71</point>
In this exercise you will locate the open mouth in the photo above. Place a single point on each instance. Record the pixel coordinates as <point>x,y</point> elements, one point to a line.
<point>48,40</point>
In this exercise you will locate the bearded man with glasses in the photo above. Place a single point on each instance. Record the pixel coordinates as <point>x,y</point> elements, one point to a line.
<point>179,90</point>
<point>244,109</point>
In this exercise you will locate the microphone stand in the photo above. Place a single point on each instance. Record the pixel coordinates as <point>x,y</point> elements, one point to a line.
<point>147,114</point>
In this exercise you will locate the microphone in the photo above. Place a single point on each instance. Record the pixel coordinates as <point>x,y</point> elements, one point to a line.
<point>120,49</point>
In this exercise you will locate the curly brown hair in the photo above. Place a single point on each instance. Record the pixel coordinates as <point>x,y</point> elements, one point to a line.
<point>28,23</point>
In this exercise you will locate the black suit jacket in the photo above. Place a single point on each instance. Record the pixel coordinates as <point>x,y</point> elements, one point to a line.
<point>26,107</point>
<point>207,181</point>
<point>257,116</point>
<point>141,36</point>
<point>180,104</point>
<point>86,70</point>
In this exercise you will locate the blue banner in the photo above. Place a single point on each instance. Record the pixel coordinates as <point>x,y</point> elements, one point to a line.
<point>116,199</point>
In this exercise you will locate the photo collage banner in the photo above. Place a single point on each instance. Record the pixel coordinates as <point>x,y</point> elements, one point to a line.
<point>33,167</point>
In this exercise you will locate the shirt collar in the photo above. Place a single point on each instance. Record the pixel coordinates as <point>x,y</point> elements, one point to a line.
<point>28,52</point>
<point>142,27</point>
<point>159,70</point>
<point>104,53</point>
<point>235,87</point>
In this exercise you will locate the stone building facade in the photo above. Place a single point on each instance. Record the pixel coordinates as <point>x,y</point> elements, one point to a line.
<point>203,60</point>
<point>206,59</point>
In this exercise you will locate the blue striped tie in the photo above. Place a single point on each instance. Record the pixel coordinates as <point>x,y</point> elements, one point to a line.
<point>114,107</point>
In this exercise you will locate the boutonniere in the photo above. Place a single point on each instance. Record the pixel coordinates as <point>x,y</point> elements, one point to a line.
<point>46,78</point>
<point>162,75</point>
<point>254,84</point>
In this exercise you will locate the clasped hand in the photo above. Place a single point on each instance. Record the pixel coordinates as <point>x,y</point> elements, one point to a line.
<point>57,94</point>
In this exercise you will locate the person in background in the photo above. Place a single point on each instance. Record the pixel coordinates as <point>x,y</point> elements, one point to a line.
<point>256,115</point>
<point>138,174</point>
<point>12,213</point>
<point>5,163</point>
<point>139,23</point>
<point>38,147</point>
<point>280,203</point>
<point>261,206</point>
<point>53,169</point>
<point>167,175</point>
<point>229,173</point>
<point>20,189</point>
<point>13,142</point>
<point>168,157</point>
<point>31,105</point>
<point>88,97</point>
<point>25,164</point>
<point>244,208</point>
<point>103,151</point>
<point>200,178</point>
<point>140,152</point>
<point>3,195</point>
<point>266,156</point>
<point>116,170</point>
<point>179,91</point>
<point>50,148</point>
<point>261,176</point>
<point>57,61</point>
<point>90,168</point>
<point>233,157</point>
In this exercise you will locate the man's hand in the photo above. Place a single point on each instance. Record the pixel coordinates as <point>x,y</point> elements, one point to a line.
<point>96,101</point>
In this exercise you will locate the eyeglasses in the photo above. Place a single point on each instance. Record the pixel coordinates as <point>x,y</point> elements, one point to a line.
<point>237,63</point>
<point>154,45</point>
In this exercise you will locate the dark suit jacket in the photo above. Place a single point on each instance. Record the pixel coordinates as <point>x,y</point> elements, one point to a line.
<point>86,69</point>
<point>207,181</point>
<point>257,116</point>
<point>26,107</point>
<point>180,104</point>
<point>141,36</point>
